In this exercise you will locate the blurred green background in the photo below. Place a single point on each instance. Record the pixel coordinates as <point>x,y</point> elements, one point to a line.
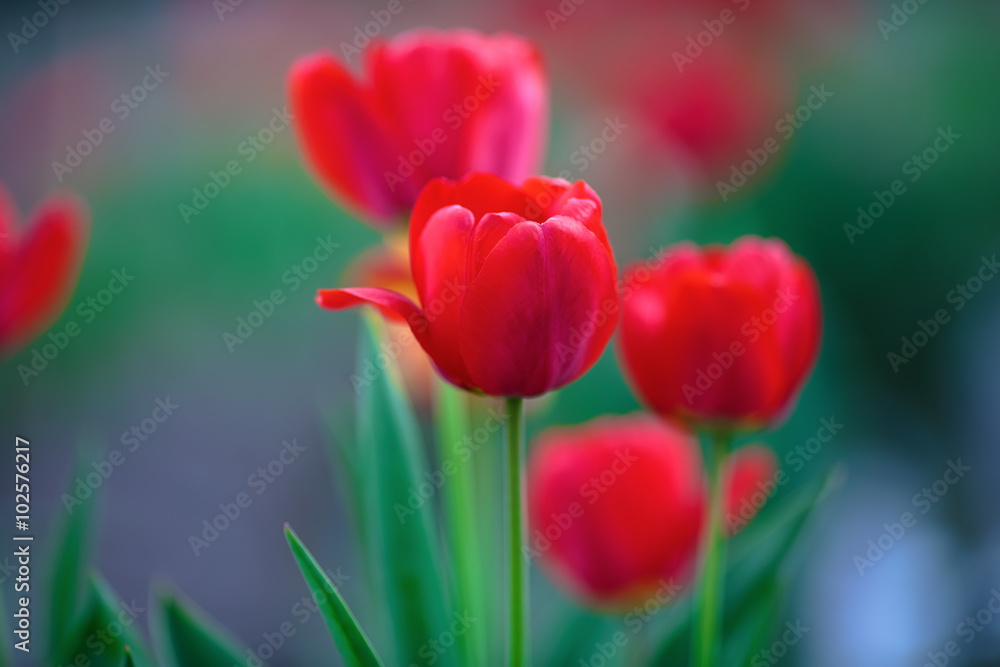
<point>162,337</point>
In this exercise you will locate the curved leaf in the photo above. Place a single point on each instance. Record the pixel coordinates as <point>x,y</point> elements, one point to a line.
<point>351,641</point>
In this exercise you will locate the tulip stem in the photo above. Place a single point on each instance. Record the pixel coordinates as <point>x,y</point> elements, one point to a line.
<point>707,639</point>
<point>518,632</point>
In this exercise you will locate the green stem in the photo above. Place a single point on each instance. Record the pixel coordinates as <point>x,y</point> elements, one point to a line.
<point>707,639</point>
<point>517,629</point>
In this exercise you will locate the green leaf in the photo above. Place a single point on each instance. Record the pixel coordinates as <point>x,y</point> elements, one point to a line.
<point>755,578</point>
<point>102,631</point>
<point>404,540</point>
<point>186,637</point>
<point>352,643</point>
<point>127,661</point>
<point>68,578</point>
<point>459,497</point>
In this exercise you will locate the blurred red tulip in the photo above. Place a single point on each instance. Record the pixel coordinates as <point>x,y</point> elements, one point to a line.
<point>723,335</point>
<point>517,286</point>
<point>750,479</point>
<point>431,104</point>
<point>616,508</point>
<point>719,107</point>
<point>38,266</point>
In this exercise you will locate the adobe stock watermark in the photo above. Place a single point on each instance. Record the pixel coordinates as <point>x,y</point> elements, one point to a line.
<point>771,655</point>
<point>364,34</point>
<point>562,12</point>
<point>704,39</point>
<point>121,107</point>
<point>581,158</point>
<point>914,168</point>
<point>922,501</point>
<point>31,24</point>
<point>453,117</point>
<point>796,459</point>
<point>752,330</point>
<point>419,495</point>
<point>131,440</point>
<point>634,620</point>
<point>958,297</point>
<point>900,16</point>
<point>42,354</point>
<point>248,149</point>
<point>968,629</point>
<point>785,127</point>
<point>294,277</point>
<point>590,491</point>
<point>258,482</point>
<point>302,612</point>
<point>223,7</point>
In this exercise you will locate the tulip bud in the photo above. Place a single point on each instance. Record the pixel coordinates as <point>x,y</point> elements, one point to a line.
<point>616,508</point>
<point>430,105</point>
<point>38,266</point>
<point>721,335</point>
<point>517,286</point>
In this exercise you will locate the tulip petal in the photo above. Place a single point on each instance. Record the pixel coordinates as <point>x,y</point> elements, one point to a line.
<point>37,278</point>
<point>385,300</point>
<point>440,266</point>
<point>704,321</point>
<point>531,319</point>
<point>418,81</point>
<point>348,140</point>
<point>480,193</point>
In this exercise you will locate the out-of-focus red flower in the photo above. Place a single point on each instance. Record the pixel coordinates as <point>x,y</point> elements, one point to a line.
<point>719,109</point>
<point>517,286</point>
<point>430,104</point>
<point>39,265</point>
<point>722,335</point>
<point>750,479</point>
<point>616,508</point>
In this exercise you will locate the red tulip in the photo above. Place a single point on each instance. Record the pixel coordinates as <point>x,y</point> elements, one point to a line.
<point>721,335</point>
<point>38,266</point>
<point>720,110</point>
<point>750,479</point>
<point>616,508</point>
<point>517,286</point>
<point>430,104</point>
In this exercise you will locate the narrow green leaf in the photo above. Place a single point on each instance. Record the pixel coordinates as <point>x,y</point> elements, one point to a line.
<point>462,527</point>
<point>352,643</point>
<point>186,637</point>
<point>751,632</point>
<point>758,557</point>
<point>127,661</point>
<point>102,631</point>
<point>405,541</point>
<point>68,577</point>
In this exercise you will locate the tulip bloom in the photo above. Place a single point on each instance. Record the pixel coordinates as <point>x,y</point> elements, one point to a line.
<point>430,105</point>
<point>517,286</point>
<point>721,335</point>
<point>38,266</point>
<point>616,508</point>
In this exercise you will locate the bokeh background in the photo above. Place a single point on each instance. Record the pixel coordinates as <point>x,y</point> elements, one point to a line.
<point>886,94</point>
